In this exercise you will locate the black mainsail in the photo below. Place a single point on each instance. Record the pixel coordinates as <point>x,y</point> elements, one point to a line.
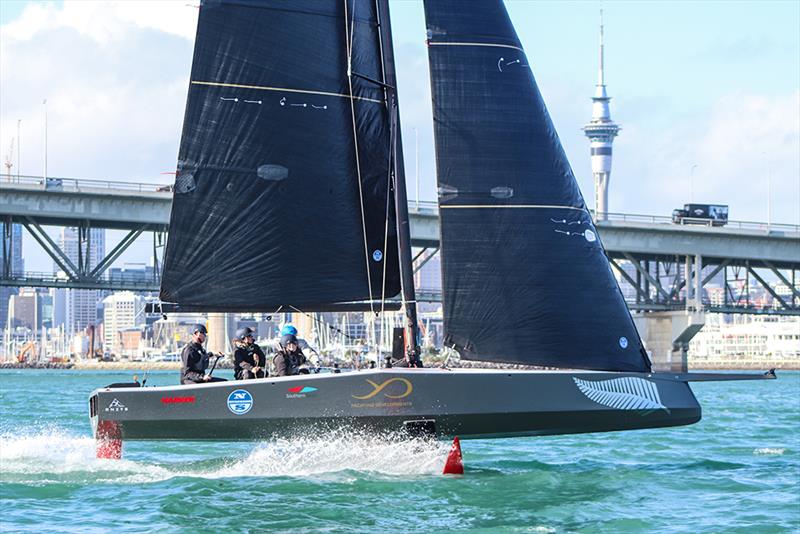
<point>283,192</point>
<point>526,279</point>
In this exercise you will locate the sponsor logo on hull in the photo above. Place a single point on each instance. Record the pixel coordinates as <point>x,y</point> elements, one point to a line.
<point>116,406</point>
<point>240,402</point>
<point>177,400</point>
<point>299,392</point>
<point>393,391</point>
<point>626,393</point>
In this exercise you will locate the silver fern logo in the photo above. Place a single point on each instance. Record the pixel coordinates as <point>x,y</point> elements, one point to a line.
<point>626,393</point>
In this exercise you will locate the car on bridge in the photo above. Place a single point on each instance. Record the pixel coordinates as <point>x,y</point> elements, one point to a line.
<point>705,214</point>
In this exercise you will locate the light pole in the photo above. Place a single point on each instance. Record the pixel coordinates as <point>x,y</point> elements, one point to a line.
<point>691,183</point>
<point>44,103</point>
<point>19,142</point>
<point>416,163</point>
<point>769,191</point>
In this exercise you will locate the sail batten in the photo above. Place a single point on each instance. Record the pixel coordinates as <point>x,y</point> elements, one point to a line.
<point>525,277</point>
<point>283,183</point>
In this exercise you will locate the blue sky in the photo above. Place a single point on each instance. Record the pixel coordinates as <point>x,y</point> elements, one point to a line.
<point>714,84</point>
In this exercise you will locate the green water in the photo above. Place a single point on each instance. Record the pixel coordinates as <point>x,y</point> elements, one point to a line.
<point>738,470</point>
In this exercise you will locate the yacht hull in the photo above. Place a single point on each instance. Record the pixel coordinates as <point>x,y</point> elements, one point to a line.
<point>442,403</point>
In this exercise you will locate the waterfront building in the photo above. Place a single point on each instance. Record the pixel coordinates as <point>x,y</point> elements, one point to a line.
<point>122,311</point>
<point>741,341</point>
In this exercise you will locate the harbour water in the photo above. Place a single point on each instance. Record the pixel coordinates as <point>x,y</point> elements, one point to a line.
<point>738,470</point>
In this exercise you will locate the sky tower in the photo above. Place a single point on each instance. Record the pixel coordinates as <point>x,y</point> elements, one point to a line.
<point>601,132</point>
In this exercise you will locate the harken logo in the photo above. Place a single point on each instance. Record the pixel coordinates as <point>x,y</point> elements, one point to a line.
<point>299,392</point>
<point>240,401</point>
<point>116,406</point>
<point>177,400</point>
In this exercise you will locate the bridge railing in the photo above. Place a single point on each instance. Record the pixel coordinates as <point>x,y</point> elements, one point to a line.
<point>665,219</point>
<point>57,184</point>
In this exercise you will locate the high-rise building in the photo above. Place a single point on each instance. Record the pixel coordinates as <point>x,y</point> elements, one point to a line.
<point>122,310</point>
<point>24,309</point>
<point>601,132</point>
<point>81,304</point>
<point>13,247</point>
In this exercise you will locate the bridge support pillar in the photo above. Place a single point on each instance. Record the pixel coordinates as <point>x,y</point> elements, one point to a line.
<point>666,337</point>
<point>220,331</point>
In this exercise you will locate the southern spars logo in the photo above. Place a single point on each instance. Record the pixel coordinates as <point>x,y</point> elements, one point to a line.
<point>298,392</point>
<point>240,402</point>
<point>385,394</point>
<point>116,406</point>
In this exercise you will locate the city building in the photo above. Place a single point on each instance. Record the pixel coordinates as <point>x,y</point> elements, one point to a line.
<point>24,310</point>
<point>122,311</point>
<point>14,249</point>
<point>80,305</point>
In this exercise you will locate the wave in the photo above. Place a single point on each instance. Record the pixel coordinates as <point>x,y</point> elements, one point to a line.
<point>768,451</point>
<point>58,456</point>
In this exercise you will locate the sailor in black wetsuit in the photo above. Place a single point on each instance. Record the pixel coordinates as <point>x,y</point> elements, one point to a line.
<point>194,359</point>
<point>249,361</point>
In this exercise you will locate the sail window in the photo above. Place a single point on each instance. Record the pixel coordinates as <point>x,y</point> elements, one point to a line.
<point>184,182</point>
<point>273,173</point>
<point>502,192</point>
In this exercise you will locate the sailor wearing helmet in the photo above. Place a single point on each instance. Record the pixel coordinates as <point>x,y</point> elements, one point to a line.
<point>249,361</point>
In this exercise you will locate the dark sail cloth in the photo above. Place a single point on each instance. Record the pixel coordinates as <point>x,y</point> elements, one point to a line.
<point>245,357</point>
<point>288,363</point>
<point>194,359</point>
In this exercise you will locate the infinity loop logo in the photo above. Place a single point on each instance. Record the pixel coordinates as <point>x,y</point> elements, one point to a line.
<point>383,385</point>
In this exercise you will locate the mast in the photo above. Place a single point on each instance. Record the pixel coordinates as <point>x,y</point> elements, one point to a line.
<point>400,197</point>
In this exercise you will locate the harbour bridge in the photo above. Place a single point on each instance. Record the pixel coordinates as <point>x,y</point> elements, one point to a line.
<point>662,266</point>
<point>671,273</point>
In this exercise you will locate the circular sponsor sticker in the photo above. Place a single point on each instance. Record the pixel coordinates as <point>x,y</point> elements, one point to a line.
<point>240,401</point>
<point>590,236</point>
<point>377,255</point>
<point>623,342</point>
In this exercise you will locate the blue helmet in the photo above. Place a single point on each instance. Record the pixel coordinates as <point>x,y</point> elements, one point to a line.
<point>288,329</point>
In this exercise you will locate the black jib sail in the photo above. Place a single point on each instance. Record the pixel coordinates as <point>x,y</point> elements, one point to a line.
<point>283,196</point>
<point>526,279</point>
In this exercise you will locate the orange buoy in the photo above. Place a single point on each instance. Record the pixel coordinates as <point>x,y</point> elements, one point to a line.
<point>454,464</point>
<point>108,439</point>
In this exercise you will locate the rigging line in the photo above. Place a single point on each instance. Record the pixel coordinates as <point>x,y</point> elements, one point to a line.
<point>283,89</point>
<point>349,45</point>
<point>323,323</point>
<point>493,45</point>
<point>389,175</point>
<point>392,142</point>
<point>511,206</point>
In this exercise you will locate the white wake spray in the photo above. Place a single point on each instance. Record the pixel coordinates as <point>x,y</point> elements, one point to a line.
<point>58,456</point>
<point>340,451</point>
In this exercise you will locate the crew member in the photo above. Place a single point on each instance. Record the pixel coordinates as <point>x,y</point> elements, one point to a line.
<point>290,359</point>
<point>275,344</point>
<point>249,361</point>
<point>194,359</point>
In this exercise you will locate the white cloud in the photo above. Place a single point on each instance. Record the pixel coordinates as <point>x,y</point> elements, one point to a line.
<point>736,145</point>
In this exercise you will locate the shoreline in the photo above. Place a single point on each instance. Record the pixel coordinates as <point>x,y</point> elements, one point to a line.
<point>175,366</point>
